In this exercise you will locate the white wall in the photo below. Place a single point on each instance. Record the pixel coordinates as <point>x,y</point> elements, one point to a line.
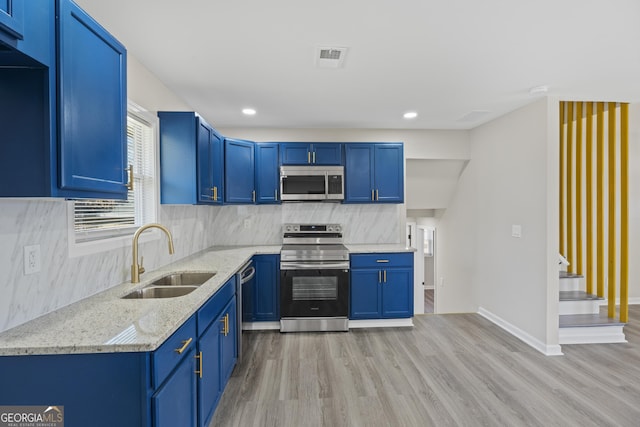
<point>511,155</point>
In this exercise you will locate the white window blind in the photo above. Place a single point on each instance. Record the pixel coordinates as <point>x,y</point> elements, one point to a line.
<point>98,219</point>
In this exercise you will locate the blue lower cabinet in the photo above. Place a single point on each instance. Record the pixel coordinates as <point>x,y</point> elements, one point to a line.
<point>217,349</point>
<point>365,294</point>
<point>178,384</point>
<point>261,296</point>
<point>381,286</point>
<point>101,390</point>
<point>228,346</point>
<point>209,383</point>
<point>174,404</point>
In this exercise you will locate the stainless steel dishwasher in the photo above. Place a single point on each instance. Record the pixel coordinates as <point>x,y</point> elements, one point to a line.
<point>243,276</point>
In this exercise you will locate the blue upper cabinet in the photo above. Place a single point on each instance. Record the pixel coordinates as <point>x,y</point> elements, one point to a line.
<point>92,105</point>
<point>299,153</point>
<point>63,105</point>
<point>374,173</point>
<point>239,164</point>
<point>267,174</point>
<point>191,160</point>
<point>210,165</point>
<point>12,19</point>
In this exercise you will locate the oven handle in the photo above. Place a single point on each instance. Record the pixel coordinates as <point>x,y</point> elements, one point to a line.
<point>314,266</point>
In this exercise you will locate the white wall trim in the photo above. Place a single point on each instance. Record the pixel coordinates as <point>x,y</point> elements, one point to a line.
<point>380,323</point>
<point>260,326</point>
<point>547,350</point>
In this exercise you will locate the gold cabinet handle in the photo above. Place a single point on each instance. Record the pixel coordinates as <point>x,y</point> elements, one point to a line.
<point>379,276</point>
<point>314,157</point>
<point>185,344</point>
<point>275,194</point>
<point>308,156</point>
<point>253,196</point>
<point>130,183</point>
<point>377,195</point>
<point>385,276</point>
<point>199,370</point>
<point>382,260</point>
<point>373,195</point>
<point>225,325</point>
<point>215,193</point>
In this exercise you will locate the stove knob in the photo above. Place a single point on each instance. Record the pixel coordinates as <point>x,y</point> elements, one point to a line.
<point>338,229</point>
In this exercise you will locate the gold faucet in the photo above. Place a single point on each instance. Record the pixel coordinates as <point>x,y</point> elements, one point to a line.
<point>138,269</point>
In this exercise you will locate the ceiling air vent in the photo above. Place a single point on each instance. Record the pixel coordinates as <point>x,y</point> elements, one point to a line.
<point>330,57</point>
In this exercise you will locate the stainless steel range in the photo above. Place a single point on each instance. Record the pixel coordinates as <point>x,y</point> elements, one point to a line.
<point>314,273</point>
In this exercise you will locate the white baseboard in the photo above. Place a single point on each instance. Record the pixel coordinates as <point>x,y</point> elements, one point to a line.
<point>369,323</point>
<point>260,326</point>
<point>380,323</point>
<point>592,335</point>
<point>547,350</point>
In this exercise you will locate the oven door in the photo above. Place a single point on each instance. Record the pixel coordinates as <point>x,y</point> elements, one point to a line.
<point>310,292</point>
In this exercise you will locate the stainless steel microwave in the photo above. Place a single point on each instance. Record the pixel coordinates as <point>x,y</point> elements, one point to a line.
<point>312,183</point>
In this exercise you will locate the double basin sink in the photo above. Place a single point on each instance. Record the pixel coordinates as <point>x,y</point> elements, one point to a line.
<point>170,286</point>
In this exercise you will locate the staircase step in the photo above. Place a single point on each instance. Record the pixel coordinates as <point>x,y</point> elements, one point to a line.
<point>578,296</point>
<point>570,282</point>
<point>567,275</point>
<point>587,320</point>
<point>590,329</point>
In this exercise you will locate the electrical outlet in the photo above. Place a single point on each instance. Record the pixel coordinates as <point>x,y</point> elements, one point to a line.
<point>31,259</point>
<point>516,230</point>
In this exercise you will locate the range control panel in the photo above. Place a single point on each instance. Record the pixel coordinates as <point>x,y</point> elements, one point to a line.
<point>312,228</point>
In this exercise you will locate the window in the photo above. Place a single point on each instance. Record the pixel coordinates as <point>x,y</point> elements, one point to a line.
<point>95,219</point>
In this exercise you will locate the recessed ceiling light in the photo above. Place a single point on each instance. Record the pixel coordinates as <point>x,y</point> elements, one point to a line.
<point>248,111</point>
<point>410,115</point>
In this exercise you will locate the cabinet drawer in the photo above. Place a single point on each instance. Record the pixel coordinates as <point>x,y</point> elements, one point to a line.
<point>169,354</point>
<point>210,309</point>
<point>382,260</point>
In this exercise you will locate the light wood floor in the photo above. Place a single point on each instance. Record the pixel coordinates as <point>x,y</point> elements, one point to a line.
<point>429,295</point>
<point>449,370</point>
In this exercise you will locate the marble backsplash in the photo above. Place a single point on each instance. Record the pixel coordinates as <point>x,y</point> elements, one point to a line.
<point>64,279</point>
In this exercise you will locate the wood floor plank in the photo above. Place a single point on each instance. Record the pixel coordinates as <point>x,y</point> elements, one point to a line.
<point>449,370</point>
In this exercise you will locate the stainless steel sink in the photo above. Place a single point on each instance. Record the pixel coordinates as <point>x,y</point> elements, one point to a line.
<point>160,292</point>
<point>183,279</point>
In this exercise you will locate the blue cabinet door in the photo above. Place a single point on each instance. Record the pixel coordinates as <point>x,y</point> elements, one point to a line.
<point>239,171</point>
<point>389,173</point>
<point>266,295</point>
<point>174,403</point>
<point>92,105</point>
<point>364,300</point>
<point>11,18</point>
<point>303,153</point>
<point>209,383</point>
<point>295,153</point>
<point>210,165</point>
<point>228,347</point>
<point>397,293</point>
<point>178,176</point>
<point>359,164</point>
<point>327,154</point>
<point>267,174</point>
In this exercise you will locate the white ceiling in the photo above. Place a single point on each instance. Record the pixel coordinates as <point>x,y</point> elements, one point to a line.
<point>444,59</point>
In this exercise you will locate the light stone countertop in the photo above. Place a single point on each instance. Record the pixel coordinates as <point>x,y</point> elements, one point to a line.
<point>105,323</point>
